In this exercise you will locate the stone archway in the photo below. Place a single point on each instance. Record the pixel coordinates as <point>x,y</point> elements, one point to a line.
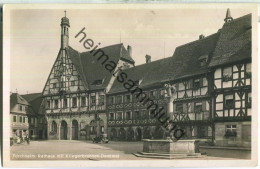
<point>113,134</point>
<point>122,134</point>
<point>158,133</point>
<point>138,134</point>
<point>147,133</point>
<point>130,134</point>
<point>63,130</point>
<point>75,130</point>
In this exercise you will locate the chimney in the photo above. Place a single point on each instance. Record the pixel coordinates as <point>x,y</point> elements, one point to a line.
<point>148,58</point>
<point>129,50</point>
<point>201,36</point>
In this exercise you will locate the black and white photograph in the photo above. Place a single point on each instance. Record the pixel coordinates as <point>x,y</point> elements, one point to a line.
<point>141,85</point>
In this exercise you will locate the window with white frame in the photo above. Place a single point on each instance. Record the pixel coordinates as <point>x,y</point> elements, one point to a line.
<point>56,103</point>
<point>128,115</point>
<point>119,99</point>
<point>65,103</point>
<point>93,100</point>
<point>101,100</point>
<point>111,100</point>
<point>231,130</point>
<point>14,118</point>
<point>83,101</point>
<point>74,102</point>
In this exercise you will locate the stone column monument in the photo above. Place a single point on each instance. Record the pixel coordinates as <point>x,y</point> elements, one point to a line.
<point>170,96</point>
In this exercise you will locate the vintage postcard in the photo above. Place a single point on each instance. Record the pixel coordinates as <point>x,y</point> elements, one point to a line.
<point>137,85</point>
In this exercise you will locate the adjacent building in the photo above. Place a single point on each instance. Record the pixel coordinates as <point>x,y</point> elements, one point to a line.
<point>27,116</point>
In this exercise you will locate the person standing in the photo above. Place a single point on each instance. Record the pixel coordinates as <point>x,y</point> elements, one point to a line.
<point>27,139</point>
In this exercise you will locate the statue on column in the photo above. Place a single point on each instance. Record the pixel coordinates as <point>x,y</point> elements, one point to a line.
<point>170,96</point>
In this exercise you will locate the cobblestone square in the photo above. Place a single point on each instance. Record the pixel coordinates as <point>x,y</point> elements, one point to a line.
<point>79,150</point>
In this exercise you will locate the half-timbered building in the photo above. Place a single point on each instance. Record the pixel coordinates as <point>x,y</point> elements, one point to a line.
<point>74,93</point>
<point>231,71</point>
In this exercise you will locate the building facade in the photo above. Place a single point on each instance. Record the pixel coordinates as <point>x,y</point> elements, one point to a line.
<point>27,116</point>
<point>86,95</point>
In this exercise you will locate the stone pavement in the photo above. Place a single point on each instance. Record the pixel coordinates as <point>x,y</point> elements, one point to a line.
<point>80,150</point>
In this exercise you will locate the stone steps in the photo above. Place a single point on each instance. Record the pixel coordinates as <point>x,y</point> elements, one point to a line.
<point>167,155</point>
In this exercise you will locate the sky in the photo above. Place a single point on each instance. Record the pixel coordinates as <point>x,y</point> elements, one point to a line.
<point>35,35</point>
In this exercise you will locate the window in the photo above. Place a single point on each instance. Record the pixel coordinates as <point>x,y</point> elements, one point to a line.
<point>249,100</point>
<point>248,70</point>
<point>203,62</point>
<point>227,74</point>
<point>162,93</point>
<point>29,120</point>
<point>21,108</point>
<point>128,115</point>
<point>26,108</point>
<point>137,115</point>
<point>96,116</point>
<point>83,101</point>
<point>93,100</point>
<point>119,116</point>
<point>179,107</point>
<point>152,94</point>
<point>65,103</point>
<point>56,104</point>
<point>111,100</point>
<point>127,99</point>
<point>21,119</point>
<point>229,101</point>
<point>98,82</point>
<point>74,102</point>
<point>111,116</point>
<point>198,107</point>
<point>48,104</point>
<point>231,131</point>
<point>101,100</point>
<point>145,114</point>
<point>196,84</point>
<point>54,126</point>
<point>102,129</point>
<point>72,83</point>
<point>14,118</point>
<point>54,85</point>
<point>119,99</point>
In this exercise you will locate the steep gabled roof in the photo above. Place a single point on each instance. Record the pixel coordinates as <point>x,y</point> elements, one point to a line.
<point>184,63</point>
<point>15,98</point>
<point>188,55</point>
<point>234,43</point>
<point>35,101</point>
<point>92,70</point>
